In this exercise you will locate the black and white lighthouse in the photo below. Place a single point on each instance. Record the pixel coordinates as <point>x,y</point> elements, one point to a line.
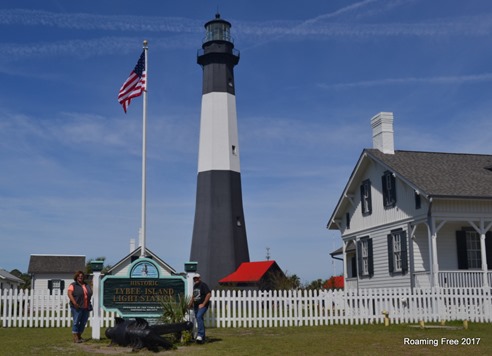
<point>219,243</point>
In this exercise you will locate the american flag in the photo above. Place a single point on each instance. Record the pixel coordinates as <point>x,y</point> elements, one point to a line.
<point>135,84</point>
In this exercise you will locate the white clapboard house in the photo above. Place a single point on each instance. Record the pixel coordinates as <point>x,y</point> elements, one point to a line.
<point>9,281</point>
<point>54,272</point>
<point>415,219</point>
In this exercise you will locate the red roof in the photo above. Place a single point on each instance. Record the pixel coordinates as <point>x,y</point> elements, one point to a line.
<point>248,272</point>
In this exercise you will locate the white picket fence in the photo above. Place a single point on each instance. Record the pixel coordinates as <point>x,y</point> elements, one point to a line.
<point>320,307</point>
<point>27,308</point>
<point>256,309</point>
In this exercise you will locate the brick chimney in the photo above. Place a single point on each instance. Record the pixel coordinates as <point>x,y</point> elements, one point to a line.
<point>382,132</point>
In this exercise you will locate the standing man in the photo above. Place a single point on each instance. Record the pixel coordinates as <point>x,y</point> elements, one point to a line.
<point>200,301</point>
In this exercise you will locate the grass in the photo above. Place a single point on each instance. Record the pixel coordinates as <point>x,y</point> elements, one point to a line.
<point>316,340</point>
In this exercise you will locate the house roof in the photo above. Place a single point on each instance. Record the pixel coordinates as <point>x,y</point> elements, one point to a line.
<point>137,252</point>
<point>437,174</point>
<point>4,275</point>
<point>433,174</point>
<point>249,272</point>
<point>55,264</point>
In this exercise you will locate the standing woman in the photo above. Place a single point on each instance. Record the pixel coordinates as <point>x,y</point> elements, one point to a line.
<point>80,295</point>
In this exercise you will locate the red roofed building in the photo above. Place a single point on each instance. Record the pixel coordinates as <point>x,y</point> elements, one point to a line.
<point>259,275</point>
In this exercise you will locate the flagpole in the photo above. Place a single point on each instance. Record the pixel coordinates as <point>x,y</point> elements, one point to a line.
<point>144,151</point>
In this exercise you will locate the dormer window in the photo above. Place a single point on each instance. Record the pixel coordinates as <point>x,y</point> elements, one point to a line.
<point>389,189</point>
<point>418,200</point>
<point>365,197</point>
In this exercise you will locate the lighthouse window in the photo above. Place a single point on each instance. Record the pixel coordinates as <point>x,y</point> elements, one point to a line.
<point>234,150</point>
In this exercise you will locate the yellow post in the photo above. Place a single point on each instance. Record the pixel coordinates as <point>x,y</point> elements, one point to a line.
<point>386,318</point>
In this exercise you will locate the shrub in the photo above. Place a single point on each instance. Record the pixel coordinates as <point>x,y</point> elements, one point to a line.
<point>177,311</point>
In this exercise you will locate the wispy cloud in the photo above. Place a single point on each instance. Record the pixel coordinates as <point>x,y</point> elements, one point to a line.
<point>90,47</point>
<point>463,79</point>
<point>319,27</point>
<point>28,136</point>
<point>88,22</point>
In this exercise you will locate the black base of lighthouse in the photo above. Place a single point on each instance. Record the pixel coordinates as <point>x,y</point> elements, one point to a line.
<point>219,242</point>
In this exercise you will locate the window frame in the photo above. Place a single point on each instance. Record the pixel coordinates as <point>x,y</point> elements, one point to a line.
<point>388,182</point>
<point>473,249</point>
<point>365,257</point>
<point>462,249</point>
<point>397,252</point>
<point>366,197</point>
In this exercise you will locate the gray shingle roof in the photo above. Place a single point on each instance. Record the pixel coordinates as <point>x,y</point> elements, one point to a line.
<point>56,264</point>
<point>9,277</point>
<point>441,174</point>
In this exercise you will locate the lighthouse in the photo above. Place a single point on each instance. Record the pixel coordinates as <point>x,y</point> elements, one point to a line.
<point>219,242</point>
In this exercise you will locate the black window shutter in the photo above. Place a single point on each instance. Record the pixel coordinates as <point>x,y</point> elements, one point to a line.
<point>353,261</point>
<point>488,249</point>
<point>404,257</point>
<point>62,286</point>
<point>370,258</point>
<point>393,190</point>
<point>369,196</point>
<point>50,285</point>
<point>418,201</point>
<point>385,190</point>
<point>362,198</point>
<point>390,254</point>
<point>461,248</point>
<point>359,258</point>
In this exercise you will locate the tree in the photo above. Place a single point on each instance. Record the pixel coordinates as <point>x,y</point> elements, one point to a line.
<point>285,281</point>
<point>24,276</point>
<point>315,285</point>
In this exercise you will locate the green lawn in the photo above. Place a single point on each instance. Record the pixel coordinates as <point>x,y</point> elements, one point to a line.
<point>319,340</point>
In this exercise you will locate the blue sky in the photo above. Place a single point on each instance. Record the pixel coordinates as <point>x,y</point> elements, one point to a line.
<point>311,76</point>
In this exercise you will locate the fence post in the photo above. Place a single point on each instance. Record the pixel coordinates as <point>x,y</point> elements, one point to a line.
<point>96,311</point>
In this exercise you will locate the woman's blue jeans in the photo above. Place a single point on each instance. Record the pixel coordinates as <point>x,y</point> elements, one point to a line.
<point>199,313</point>
<point>80,317</point>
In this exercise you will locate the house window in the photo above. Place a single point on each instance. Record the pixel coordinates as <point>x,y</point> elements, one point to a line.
<point>365,257</point>
<point>418,201</point>
<point>347,220</point>
<point>56,285</point>
<point>473,252</point>
<point>468,247</point>
<point>389,190</point>
<point>365,197</point>
<point>397,252</point>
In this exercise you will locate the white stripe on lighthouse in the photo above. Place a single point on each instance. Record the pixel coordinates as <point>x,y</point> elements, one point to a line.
<point>219,146</point>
